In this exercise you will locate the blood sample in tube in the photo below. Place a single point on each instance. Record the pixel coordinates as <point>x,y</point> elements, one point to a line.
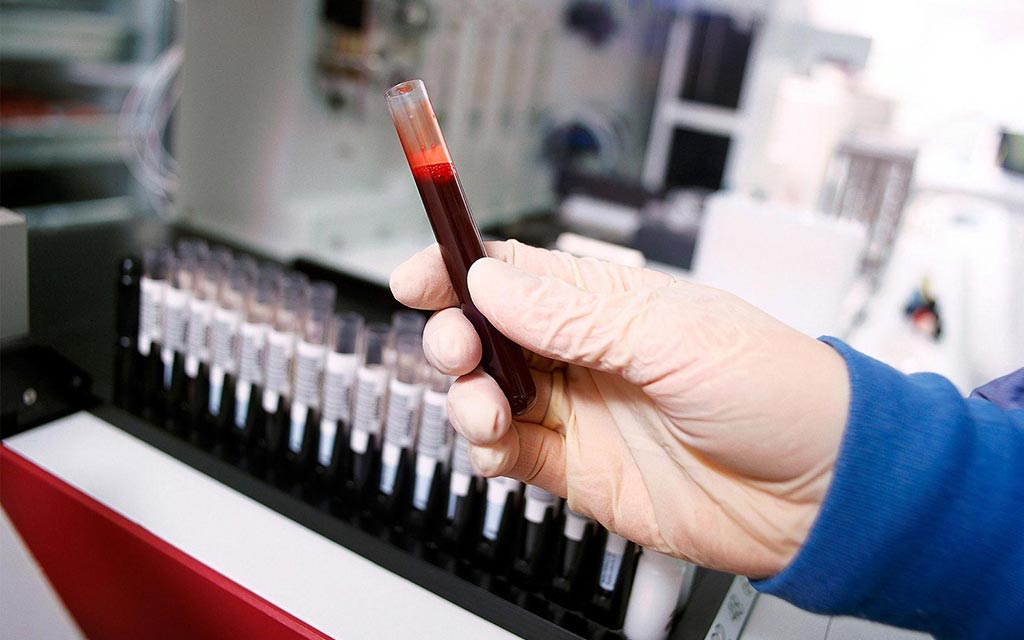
<point>259,312</point>
<point>577,557</point>
<point>461,488</point>
<point>310,356</point>
<point>368,413</point>
<point>200,336</point>
<point>405,397</point>
<point>181,284</point>
<point>533,547</point>
<point>284,333</point>
<point>435,436</point>
<point>613,581</point>
<point>339,385</point>
<point>175,313</point>
<point>227,320</point>
<point>157,267</point>
<point>154,278</point>
<point>498,491</point>
<point>200,317</point>
<point>455,231</point>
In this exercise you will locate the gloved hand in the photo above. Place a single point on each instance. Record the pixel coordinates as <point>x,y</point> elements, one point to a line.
<point>676,415</point>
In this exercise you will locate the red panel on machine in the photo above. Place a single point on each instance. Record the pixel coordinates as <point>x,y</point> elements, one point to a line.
<point>118,580</point>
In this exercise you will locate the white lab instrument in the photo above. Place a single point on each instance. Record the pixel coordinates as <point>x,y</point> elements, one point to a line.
<point>796,265</point>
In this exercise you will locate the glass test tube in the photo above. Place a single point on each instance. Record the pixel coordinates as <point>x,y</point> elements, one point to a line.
<point>435,435</point>
<point>371,385</point>
<point>227,319</point>
<point>259,312</point>
<point>183,283</point>
<point>661,586</point>
<point>188,266</point>
<point>175,310</point>
<point>611,562</point>
<point>281,339</point>
<point>129,270</point>
<point>461,479</point>
<point>310,354</point>
<point>185,247</point>
<point>575,531</point>
<point>151,297</point>
<point>498,491</point>
<point>407,321</point>
<point>224,257</point>
<point>405,393</point>
<point>200,313</point>
<point>455,231</point>
<point>539,505</point>
<point>200,249</point>
<point>339,382</point>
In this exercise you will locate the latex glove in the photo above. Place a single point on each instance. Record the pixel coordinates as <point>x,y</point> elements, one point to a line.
<point>676,415</point>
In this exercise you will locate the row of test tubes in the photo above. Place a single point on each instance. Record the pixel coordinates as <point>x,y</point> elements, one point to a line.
<point>264,353</point>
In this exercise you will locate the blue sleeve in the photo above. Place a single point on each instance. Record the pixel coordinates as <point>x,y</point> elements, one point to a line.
<point>923,524</point>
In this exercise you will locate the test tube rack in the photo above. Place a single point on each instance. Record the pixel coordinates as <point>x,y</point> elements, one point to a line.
<point>455,563</point>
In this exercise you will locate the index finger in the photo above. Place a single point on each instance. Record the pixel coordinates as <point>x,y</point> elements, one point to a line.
<point>422,281</point>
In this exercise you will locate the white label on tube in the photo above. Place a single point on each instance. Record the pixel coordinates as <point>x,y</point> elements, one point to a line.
<point>167,358</point>
<point>270,400</point>
<point>538,502</point>
<point>391,455</point>
<point>309,368</point>
<point>403,412</point>
<point>328,433</point>
<point>191,366</point>
<point>150,294</point>
<point>225,338</point>
<point>449,436</point>
<point>242,392</point>
<point>359,441</point>
<point>458,487</point>
<point>497,496</point>
<point>492,519</point>
<point>199,317</point>
<point>614,549</point>
<point>297,428</point>
<point>425,467</point>
<point>460,484</point>
<point>389,459</point>
<point>575,525</point>
<point>175,319</point>
<point>216,389</point>
<point>460,457</point>
<point>251,352</point>
<point>498,488</point>
<point>339,386</point>
<point>280,347</point>
<point>433,436</point>
<point>370,386</point>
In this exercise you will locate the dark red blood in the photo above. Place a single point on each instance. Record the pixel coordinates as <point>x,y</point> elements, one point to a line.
<point>461,246</point>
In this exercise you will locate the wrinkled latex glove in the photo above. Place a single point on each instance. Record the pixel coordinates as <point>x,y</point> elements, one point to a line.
<point>676,415</point>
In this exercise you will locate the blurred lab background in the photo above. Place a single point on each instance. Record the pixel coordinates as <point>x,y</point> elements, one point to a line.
<point>856,168</point>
